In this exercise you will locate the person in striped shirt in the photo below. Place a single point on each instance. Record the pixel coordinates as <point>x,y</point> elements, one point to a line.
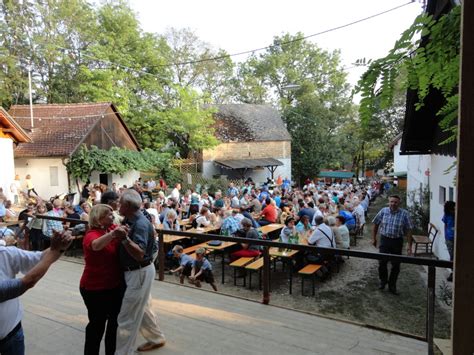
<point>393,223</point>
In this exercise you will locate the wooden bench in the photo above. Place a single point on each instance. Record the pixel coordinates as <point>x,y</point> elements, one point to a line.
<point>309,270</point>
<point>255,266</point>
<point>240,264</point>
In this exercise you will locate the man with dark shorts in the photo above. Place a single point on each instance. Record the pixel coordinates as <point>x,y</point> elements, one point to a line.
<point>393,223</point>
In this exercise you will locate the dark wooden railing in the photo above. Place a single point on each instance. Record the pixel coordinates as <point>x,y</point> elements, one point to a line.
<point>432,264</point>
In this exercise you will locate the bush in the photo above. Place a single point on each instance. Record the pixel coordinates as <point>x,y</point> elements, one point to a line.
<point>419,209</point>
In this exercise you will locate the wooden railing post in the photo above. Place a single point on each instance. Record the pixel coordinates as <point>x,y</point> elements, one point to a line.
<point>161,256</point>
<point>430,309</point>
<point>266,275</point>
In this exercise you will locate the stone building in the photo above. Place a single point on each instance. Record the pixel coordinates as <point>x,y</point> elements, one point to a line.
<point>254,143</point>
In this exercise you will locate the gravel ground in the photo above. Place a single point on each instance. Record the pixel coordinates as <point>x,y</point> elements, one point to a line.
<point>352,294</point>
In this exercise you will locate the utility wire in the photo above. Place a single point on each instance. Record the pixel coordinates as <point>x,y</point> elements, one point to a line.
<point>288,42</point>
<point>248,51</point>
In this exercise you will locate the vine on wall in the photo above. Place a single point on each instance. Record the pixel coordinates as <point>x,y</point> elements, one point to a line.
<point>116,161</point>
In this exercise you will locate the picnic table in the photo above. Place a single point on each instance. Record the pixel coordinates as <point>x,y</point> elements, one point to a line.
<point>204,230</point>
<point>271,228</point>
<point>286,255</point>
<point>168,239</point>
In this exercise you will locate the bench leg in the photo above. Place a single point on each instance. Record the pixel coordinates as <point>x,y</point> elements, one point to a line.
<point>314,277</point>
<point>250,279</point>
<point>235,276</point>
<point>302,285</point>
<point>416,248</point>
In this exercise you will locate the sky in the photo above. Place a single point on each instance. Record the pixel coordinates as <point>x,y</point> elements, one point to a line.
<point>237,26</point>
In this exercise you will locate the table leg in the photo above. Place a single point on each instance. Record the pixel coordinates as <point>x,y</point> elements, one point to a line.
<point>223,266</point>
<point>290,268</point>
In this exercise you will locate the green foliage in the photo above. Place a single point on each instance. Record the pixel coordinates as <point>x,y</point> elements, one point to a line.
<point>314,112</point>
<point>436,65</point>
<point>419,209</point>
<point>117,161</point>
<point>84,53</point>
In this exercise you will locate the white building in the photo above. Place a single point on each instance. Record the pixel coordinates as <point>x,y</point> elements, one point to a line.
<point>254,143</point>
<point>11,135</point>
<point>59,130</point>
<point>400,162</point>
<point>431,163</point>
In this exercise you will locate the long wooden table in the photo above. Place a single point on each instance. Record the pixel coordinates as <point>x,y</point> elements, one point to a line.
<point>271,228</point>
<point>286,255</point>
<point>204,230</point>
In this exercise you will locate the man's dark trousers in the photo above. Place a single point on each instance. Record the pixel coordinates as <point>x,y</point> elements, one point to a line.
<point>390,246</point>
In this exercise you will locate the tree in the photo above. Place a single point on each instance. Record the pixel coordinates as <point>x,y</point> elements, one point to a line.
<point>315,112</point>
<point>194,67</point>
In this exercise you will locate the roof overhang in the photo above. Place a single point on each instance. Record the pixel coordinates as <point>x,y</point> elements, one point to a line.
<point>10,126</point>
<point>336,174</point>
<point>248,163</point>
<point>398,174</point>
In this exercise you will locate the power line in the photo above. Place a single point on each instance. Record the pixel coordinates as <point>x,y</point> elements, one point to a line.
<point>288,42</point>
<point>248,51</point>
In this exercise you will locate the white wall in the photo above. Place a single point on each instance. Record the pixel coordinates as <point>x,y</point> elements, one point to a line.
<point>126,179</point>
<point>209,169</point>
<point>400,162</point>
<point>439,165</point>
<point>416,177</point>
<point>39,169</point>
<point>7,172</point>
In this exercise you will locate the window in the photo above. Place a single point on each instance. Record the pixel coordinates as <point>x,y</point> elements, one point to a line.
<point>451,194</point>
<point>442,195</point>
<point>53,176</point>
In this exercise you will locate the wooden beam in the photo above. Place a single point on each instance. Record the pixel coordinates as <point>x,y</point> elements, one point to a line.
<point>7,130</point>
<point>463,287</point>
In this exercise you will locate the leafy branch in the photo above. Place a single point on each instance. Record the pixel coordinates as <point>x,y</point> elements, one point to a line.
<point>434,65</point>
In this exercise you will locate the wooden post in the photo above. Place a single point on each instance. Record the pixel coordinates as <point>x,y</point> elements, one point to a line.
<point>161,256</point>
<point>266,276</point>
<point>463,286</point>
<point>430,308</point>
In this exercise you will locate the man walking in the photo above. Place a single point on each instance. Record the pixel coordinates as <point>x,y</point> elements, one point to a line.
<point>394,223</point>
<point>136,257</point>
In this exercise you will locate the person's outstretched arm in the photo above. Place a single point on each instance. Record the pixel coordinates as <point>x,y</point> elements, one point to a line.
<point>10,289</point>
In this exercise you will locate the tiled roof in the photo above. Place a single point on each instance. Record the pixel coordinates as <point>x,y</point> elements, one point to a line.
<point>249,122</point>
<point>58,129</point>
<point>8,123</point>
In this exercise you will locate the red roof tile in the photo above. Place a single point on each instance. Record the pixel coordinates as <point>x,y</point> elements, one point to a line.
<point>58,129</point>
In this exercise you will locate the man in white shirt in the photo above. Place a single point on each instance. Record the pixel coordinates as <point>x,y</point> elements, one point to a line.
<point>34,265</point>
<point>175,192</point>
<point>322,235</point>
<point>359,212</point>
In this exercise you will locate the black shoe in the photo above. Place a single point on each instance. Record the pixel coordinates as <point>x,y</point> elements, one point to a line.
<point>393,291</point>
<point>450,277</point>
<point>382,286</point>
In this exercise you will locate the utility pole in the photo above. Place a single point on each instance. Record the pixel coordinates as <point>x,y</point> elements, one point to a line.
<point>31,97</point>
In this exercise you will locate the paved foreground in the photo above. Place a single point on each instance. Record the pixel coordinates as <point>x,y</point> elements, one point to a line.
<point>197,322</point>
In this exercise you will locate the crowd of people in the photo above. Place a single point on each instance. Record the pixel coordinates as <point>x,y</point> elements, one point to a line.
<point>120,243</point>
